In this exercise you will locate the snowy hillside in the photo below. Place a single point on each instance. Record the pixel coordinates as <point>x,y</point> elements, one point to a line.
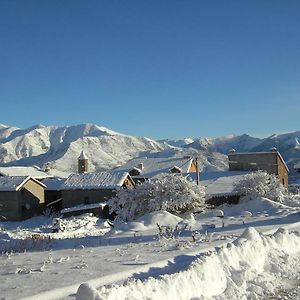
<point>224,144</point>
<point>60,146</point>
<point>286,144</point>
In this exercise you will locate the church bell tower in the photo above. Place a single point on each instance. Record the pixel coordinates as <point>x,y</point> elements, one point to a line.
<point>82,163</point>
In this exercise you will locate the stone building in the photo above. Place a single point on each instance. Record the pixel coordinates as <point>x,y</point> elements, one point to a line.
<point>21,197</point>
<point>271,162</point>
<point>89,188</point>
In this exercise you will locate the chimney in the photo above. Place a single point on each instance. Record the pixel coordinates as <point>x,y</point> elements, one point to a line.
<point>82,163</point>
<point>197,170</point>
<point>47,167</point>
<point>140,166</point>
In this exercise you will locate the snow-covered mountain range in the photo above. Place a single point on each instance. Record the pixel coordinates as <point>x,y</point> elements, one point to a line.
<point>60,146</point>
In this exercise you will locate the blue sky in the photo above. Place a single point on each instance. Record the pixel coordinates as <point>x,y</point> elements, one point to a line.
<point>163,69</point>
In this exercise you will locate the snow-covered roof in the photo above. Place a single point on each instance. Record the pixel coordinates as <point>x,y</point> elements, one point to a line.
<point>82,207</point>
<point>176,168</point>
<point>53,184</point>
<point>83,155</point>
<point>257,153</point>
<point>222,186</point>
<point>102,180</point>
<point>218,184</point>
<point>297,166</point>
<point>154,166</point>
<point>31,171</point>
<point>14,183</point>
<point>204,176</point>
<point>217,174</point>
<point>57,173</point>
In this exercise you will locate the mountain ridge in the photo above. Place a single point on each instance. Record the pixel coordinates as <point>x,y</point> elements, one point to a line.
<point>60,146</point>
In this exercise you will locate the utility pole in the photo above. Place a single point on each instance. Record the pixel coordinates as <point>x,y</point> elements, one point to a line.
<point>197,170</point>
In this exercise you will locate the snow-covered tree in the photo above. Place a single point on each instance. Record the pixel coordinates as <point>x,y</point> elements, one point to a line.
<point>261,184</point>
<point>170,192</point>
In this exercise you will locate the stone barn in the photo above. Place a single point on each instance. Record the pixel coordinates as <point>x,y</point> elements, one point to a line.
<point>21,197</point>
<point>89,188</point>
<point>271,162</point>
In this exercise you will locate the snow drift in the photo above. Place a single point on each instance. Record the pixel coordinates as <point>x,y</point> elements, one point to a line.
<point>249,268</point>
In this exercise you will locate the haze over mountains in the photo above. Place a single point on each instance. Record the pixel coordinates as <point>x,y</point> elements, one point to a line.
<point>60,146</point>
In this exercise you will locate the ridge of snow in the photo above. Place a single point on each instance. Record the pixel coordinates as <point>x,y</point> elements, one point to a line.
<point>243,269</point>
<point>3,126</point>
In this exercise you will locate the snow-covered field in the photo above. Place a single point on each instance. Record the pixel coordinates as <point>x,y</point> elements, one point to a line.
<point>243,255</point>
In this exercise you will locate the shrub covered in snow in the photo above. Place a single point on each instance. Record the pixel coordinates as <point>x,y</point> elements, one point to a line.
<point>170,192</point>
<point>261,184</point>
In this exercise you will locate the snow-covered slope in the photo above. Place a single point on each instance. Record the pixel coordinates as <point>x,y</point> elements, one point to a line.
<point>60,146</point>
<point>286,144</point>
<point>177,143</point>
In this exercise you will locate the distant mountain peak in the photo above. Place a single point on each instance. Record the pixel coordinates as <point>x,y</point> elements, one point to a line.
<point>60,146</point>
<point>36,126</point>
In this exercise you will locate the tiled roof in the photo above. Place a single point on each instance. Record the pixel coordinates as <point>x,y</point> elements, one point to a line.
<point>102,180</point>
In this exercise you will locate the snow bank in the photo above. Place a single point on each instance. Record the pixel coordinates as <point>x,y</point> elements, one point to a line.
<point>36,233</point>
<point>159,217</point>
<point>149,221</point>
<point>252,266</point>
<point>256,206</point>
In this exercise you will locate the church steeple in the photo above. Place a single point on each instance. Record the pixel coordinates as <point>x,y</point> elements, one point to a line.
<point>82,163</point>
